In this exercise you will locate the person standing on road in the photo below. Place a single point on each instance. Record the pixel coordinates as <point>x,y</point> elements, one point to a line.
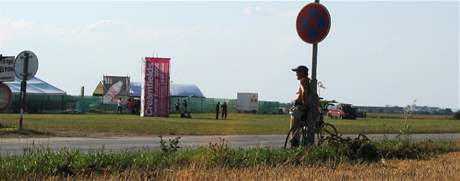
<point>217,110</point>
<point>299,110</point>
<point>224,111</point>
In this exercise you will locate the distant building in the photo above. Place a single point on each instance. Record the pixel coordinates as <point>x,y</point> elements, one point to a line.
<point>35,86</point>
<point>42,97</point>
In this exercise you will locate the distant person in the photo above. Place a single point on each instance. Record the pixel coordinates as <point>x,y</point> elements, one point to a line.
<point>137,106</point>
<point>299,110</point>
<point>224,110</point>
<point>217,110</point>
<point>119,110</point>
<point>185,106</point>
<point>185,113</point>
<point>178,106</point>
<point>131,105</point>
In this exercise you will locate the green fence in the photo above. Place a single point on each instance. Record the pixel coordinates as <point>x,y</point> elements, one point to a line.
<point>209,105</point>
<point>39,103</point>
<point>202,105</point>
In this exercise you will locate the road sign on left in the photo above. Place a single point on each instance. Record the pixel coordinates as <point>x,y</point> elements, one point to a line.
<point>26,60</point>
<point>7,72</point>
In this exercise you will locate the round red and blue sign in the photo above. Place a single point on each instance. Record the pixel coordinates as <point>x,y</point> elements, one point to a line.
<point>313,23</point>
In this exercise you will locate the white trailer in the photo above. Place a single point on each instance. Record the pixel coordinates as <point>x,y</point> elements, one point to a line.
<point>247,102</point>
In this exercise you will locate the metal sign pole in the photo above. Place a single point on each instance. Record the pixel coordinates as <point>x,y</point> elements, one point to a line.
<point>313,24</point>
<point>22,95</point>
<point>313,97</point>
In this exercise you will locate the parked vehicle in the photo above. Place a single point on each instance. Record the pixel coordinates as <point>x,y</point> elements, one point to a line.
<point>345,111</point>
<point>247,102</point>
<point>335,113</point>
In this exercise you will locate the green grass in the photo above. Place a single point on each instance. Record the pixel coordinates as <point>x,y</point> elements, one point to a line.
<point>205,124</point>
<point>67,162</point>
<point>14,132</point>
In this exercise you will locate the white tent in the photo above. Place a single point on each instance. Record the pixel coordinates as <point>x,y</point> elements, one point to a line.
<point>35,86</point>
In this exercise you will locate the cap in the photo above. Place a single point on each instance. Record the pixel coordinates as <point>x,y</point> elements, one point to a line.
<point>301,68</point>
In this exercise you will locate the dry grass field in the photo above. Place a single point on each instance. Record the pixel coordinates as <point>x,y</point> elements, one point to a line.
<point>442,167</point>
<point>445,167</point>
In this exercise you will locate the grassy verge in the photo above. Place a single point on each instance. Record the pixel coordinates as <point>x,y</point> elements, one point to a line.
<point>45,163</point>
<point>7,131</point>
<point>442,167</point>
<point>205,124</point>
<point>14,132</point>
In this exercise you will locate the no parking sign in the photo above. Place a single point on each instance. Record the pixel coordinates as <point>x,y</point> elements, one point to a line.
<point>313,23</point>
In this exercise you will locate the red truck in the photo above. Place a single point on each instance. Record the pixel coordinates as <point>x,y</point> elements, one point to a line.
<point>344,111</point>
<point>335,113</point>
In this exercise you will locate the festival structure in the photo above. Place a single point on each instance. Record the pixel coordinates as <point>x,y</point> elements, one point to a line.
<point>155,87</point>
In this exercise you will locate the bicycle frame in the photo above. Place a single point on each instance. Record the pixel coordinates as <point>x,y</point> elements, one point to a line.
<point>321,128</point>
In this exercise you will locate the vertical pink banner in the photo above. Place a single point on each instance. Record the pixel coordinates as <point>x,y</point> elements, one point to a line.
<point>156,87</point>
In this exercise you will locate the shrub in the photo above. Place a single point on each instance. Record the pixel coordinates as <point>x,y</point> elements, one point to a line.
<point>170,147</point>
<point>457,115</point>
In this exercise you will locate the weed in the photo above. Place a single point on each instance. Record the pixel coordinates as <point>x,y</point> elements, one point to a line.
<point>171,147</point>
<point>457,115</point>
<point>405,128</point>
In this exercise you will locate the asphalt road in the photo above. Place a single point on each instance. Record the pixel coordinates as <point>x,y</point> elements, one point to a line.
<point>85,144</point>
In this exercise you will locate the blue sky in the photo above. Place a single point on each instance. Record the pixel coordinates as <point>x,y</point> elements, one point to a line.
<point>376,54</point>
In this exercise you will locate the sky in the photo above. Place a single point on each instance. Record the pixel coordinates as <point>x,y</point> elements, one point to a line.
<point>376,53</point>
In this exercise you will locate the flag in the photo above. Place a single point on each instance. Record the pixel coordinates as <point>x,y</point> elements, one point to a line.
<point>155,90</point>
<point>320,84</point>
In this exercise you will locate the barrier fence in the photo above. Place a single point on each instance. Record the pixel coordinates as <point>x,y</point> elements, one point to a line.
<point>37,103</point>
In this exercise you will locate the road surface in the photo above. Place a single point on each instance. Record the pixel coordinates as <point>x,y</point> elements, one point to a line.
<point>19,145</point>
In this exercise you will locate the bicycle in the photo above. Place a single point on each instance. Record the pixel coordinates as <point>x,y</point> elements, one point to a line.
<point>323,130</point>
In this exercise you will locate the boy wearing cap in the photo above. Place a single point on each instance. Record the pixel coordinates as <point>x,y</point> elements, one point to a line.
<point>299,111</point>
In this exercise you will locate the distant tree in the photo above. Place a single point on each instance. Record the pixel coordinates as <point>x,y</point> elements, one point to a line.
<point>448,111</point>
<point>457,115</point>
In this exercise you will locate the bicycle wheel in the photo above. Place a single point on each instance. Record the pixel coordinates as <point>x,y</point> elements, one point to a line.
<point>327,130</point>
<point>287,138</point>
<point>302,137</point>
